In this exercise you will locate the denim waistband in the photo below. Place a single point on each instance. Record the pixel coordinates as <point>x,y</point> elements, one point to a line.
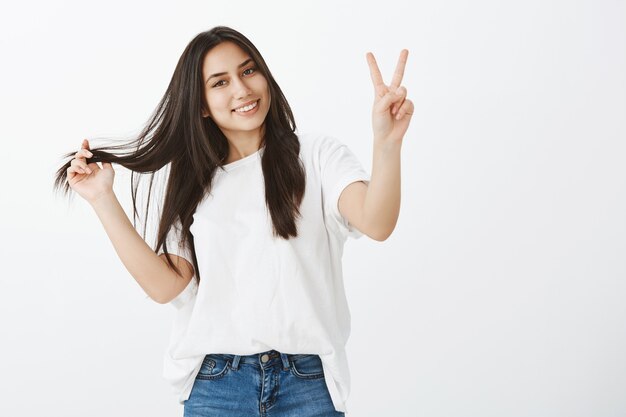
<point>273,357</point>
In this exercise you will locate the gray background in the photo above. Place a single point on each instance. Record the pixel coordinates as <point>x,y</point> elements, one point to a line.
<point>501,291</point>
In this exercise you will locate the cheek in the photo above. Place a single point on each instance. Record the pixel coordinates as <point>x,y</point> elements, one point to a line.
<point>265,88</point>
<point>258,85</point>
<point>217,102</point>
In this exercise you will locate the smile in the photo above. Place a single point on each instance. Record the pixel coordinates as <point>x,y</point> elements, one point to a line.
<point>247,108</point>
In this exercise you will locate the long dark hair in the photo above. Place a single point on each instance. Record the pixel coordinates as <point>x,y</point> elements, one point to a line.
<point>195,147</point>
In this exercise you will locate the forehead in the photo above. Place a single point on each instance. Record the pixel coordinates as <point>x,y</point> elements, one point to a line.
<point>222,58</point>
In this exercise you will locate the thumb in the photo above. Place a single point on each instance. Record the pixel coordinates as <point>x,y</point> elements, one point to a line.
<point>386,101</point>
<point>107,165</point>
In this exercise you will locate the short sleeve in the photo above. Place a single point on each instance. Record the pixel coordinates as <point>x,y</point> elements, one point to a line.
<point>339,168</point>
<point>175,243</point>
<point>187,295</point>
<point>177,246</point>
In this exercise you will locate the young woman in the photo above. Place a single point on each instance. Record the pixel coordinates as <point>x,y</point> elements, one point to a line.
<point>251,230</point>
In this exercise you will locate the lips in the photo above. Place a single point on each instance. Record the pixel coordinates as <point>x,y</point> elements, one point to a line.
<point>245,104</point>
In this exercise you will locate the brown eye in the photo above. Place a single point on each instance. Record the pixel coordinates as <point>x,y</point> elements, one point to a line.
<point>253,69</point>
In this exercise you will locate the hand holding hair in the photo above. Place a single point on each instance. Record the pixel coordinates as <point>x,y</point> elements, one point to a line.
<point>88,179</point>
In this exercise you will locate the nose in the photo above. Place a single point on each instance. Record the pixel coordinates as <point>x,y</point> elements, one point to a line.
<point>241,90</point>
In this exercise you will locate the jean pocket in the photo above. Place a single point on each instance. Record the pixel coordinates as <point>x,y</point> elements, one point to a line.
<point>213,367</point>
<point>307,366</point>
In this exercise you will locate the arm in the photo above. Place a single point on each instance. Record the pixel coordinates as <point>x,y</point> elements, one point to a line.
<point>374,209</point>
<point>150,270</point>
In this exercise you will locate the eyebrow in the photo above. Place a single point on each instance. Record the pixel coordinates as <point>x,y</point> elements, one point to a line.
<point>217,74</point>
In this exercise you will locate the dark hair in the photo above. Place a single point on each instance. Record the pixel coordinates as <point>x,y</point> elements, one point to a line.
<point>195,147</point>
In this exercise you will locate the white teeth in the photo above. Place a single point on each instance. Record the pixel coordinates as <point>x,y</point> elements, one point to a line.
<point>247,108</point>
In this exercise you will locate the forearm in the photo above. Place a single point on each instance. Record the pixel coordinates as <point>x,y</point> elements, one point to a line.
<point>381,206</point>
<point>149,270</point>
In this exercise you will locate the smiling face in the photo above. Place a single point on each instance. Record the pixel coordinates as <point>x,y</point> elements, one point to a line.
<point>231,81</point>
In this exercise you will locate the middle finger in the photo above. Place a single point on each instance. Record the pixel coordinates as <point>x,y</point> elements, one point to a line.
<point>81,165</point>
<point>399,72</point>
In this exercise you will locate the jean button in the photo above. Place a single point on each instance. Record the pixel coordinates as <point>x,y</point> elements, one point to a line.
<point>265,358</point>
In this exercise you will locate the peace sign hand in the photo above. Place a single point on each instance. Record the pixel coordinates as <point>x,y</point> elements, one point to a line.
<point>392,110</point>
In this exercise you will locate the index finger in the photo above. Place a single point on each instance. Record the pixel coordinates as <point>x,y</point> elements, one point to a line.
<point>399,72</point>
<point>377,78</point>
<point>85,144</point>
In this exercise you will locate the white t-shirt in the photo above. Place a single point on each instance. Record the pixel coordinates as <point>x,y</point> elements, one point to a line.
<point>258,292</point>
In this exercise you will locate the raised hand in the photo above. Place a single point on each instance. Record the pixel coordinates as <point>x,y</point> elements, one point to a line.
<point>89,180</point>
<point>392,110</point>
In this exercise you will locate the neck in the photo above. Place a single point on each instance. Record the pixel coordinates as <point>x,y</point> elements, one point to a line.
<point>242,144</point>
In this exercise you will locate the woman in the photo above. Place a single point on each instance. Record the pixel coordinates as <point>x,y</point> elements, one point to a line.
<point>260,213</point>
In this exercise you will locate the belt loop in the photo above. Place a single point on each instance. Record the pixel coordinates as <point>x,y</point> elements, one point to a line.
<point>235,364</point>
<point>285,360</point>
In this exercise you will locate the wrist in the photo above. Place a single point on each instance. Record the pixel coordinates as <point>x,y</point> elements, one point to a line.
<point>386,146</point>
<point>102,200</point>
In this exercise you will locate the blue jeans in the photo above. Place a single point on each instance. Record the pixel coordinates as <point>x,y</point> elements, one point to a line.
<point>266,384</point>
